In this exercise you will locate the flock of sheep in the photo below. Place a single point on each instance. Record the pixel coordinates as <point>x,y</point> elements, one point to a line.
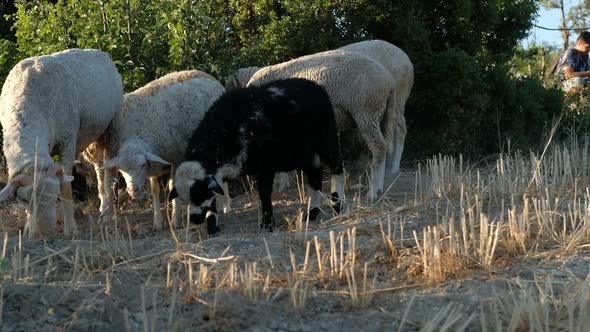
<point>273,119</point>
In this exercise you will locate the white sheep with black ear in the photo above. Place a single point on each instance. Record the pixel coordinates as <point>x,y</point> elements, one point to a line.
<point>54,105</point>
<point>283,125</point>
<point>362,93</point>
<point>397,62</point>
<point>149,137</point>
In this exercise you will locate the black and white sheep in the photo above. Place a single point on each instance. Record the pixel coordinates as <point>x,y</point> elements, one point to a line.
<point>401,69</point>
<point>149,137</point>
<point>54,105</point>
<point>360,88</point>
<point>280,126</point>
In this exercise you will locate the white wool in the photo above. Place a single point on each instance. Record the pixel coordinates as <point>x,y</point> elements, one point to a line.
<point>186,174</point>
<point>241,78</point>
<point>401,69</point>
<point>155,125</point>
<point>360,88</point>
<point>56,104</point>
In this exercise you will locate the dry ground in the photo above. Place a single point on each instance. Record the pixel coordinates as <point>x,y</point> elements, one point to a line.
<point>375,267</point>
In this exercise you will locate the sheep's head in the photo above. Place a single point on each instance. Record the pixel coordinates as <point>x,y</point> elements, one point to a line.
<point>38,197</point>
<point>194,187</point>
<point>136,165</point>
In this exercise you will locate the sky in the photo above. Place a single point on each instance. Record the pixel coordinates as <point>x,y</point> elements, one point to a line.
<point>549,19</point>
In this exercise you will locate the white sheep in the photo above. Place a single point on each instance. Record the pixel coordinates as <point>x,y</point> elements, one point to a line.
<point>360,88</point>
<point>54,105</point>
<point>150,135</point>
<point>401,69</point>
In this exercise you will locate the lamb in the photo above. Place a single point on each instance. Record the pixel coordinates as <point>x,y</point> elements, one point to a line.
<point>401,69</point>
<point>149,137</point>
<point>54,105</point>
<point>280,126</point>
<point>361,91</point>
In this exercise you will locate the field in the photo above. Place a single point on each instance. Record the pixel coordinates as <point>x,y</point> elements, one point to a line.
<point>454,245</point>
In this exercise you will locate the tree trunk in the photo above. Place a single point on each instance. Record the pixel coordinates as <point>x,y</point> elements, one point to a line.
<point>565,34</point>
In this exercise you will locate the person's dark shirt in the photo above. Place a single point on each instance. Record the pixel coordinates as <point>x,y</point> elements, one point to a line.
<point>575,60</point>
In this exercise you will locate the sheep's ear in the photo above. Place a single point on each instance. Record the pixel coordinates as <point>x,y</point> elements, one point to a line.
<point>8,193</point>
<point>112,163</point>
<point>173,194</point>
<point>214,185</point>
<point>157,164</point>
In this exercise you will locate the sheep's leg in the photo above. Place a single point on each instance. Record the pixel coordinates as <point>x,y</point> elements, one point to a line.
<point>70,227</point>
<point>337,190</point>
<point>395,158</point>
<point>265,182</point>
<point>31,226</point>
<point>68,156</point>
<point>176,212</point>
<point>314,181</point>
<point>155,189</point>
<point>105,180</point>
<point>282,182</point>
<point>374,139</point>
<point>332,157</point>
<point>223,203</point>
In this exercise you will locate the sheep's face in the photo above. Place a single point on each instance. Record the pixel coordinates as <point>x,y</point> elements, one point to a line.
<point>135,172</point>
<point>39,201</point>
<point>38,196</point>
<point>136,165</point>
<point>193,187</point>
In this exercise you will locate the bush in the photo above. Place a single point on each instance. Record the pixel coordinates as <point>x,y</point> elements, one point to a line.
<point>475,111</point>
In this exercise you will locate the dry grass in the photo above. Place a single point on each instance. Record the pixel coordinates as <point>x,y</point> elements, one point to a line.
<point>455,222</point>
<point>543,304</point>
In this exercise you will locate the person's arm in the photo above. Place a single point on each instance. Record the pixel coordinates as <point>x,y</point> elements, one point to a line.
<point>569,73</point>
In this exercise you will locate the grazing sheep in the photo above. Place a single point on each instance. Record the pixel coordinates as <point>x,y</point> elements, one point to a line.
<point>54,105</point>
<point>401,69</point>
<point>241,78</point>
<point>280,126</point>
<point>149,137</point>
<point>361,91</point>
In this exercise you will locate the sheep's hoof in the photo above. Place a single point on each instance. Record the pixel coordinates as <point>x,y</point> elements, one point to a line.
<point>158,226</point>
<point>313,213</point>
<point>71,231</point>
<point>268,225</point>
<point>336,203</point>
<point>105,217</point>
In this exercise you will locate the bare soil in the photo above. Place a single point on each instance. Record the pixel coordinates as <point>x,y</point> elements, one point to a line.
<point>126,277</point>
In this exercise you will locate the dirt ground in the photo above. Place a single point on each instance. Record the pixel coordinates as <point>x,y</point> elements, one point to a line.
<point>126,277</point>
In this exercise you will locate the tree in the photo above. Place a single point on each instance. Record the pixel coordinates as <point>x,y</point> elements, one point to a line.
<point>461,50</point>
<point>558,4</point>
<point>8,52</point>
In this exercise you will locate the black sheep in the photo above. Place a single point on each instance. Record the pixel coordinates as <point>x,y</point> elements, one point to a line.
<point>281,126</point>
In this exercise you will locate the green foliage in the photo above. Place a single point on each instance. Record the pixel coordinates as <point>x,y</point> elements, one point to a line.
<point>522,111</point>
<point>448,110</point>
<point>8,57</point>
<point>575,120</point>
<point>464,98</point>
